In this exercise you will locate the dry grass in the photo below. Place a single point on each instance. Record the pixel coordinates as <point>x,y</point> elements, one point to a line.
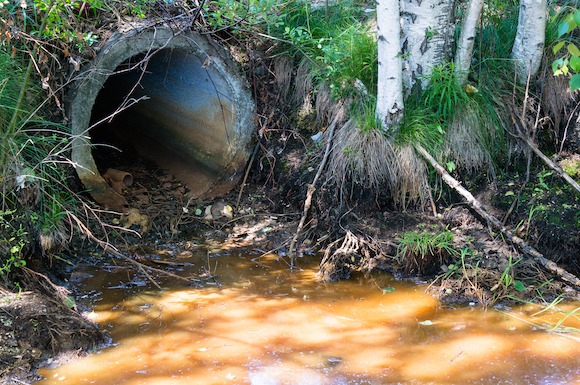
<point>409,181</point>
<point>465,142</point>
<point>371,160</point>
<point>364,159</point>
<point>325,105</point>
<point>303,85</point>
<point>283,69</point>
<point>557,100</point>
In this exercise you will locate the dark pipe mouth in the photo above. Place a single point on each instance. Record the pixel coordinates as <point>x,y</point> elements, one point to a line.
<point>160,109</point>
<point>188,110</point>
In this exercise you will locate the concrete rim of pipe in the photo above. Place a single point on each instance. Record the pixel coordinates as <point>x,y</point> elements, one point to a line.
<point>216,62</point>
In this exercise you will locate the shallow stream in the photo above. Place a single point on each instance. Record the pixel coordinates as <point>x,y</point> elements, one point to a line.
<point>260,323</point>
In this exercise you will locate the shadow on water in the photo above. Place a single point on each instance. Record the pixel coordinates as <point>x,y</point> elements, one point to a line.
<point>266,325</point>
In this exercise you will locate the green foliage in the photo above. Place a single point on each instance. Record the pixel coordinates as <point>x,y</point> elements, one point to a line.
<point>364,113</point>
<point>507,279</point>
<point>13,240</point>
<point>424,252</point>
<point>443,94</point>
<point>493,44</point>
<point>566,46</point>
<point>350,57</point>
<point>336,39</point>
<point>68,26</point>
<point>34,194</point>
<point>421,126</point>
<point>571,166</point>
<point>244,15</point>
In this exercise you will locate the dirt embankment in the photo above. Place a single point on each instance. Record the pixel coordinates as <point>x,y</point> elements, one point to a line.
<point>360,234</point>
<point>34,328</point>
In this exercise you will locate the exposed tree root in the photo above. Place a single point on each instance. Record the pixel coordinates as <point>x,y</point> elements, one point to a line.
<point>312,189</point>
<point>334,265</point>
<point>355,253</point>
<point>515,240</point>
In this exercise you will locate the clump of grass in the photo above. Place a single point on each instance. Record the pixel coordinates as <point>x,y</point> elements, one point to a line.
<point>362,157</point>
<point>443,94</point>
<point>35,202</point>
<point>337,40</point>
<point>425,252</point>
<point>420,126</point>
<point>468,143</point>
<point>365,156</point>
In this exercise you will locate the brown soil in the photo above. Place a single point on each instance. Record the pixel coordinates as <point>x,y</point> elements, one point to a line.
<point>359,232</point>
<point>362,235</point>
<point>35,328</point>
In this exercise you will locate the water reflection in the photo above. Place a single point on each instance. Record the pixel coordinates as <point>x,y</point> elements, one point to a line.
<point>265,325</point>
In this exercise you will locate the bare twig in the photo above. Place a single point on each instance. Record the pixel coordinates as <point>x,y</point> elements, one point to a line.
<point>248,168</point>
<point>566,128</point>
<point>524,248</point>
<point>311,190</point>
<point>523,134</point>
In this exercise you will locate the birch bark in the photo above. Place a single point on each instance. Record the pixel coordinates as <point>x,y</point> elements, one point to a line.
<point>464,52</point>
<point>428,37</point>
<point>530,36</point>
<point>389,79</point>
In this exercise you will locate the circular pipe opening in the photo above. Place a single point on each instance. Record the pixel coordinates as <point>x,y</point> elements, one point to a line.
<point>176,100</point>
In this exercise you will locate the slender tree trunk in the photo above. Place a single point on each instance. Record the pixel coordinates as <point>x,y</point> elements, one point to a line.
<point>390,84</point>
<point>530,36</point>
<point>428,37</point>
<point>464,52</point>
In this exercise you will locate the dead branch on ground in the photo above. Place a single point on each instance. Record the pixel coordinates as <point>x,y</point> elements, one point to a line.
<point>526,136</point>
<point>524,248</point>
<point>312,189</point>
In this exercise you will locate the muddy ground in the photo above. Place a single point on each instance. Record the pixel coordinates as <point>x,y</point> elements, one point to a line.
<point>362,235</point>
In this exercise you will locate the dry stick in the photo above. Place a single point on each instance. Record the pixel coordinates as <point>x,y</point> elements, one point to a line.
<point>310,192</point>
<point>142,267</point>
<point>566,128</point>
<point>112,250</point>
<point>526,138</point>
<point>248,168</point>
<point>515,240</point>
<point>554,166</point>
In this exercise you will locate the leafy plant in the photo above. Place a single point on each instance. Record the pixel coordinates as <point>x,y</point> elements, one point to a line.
<point>507,279</point>
<point>34,193</point>
<point>421,126</point>
<point>569,61</point>
<point>336,39</point>
<point>13,241</point>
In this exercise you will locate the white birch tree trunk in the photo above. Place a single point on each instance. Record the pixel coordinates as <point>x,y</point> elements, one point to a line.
<point>464,52</point>
<point>530,36</point>
<point>389,79</point>
<point>428,37</point>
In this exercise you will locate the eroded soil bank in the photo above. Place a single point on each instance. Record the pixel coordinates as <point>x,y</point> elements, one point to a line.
<point>264,220</point>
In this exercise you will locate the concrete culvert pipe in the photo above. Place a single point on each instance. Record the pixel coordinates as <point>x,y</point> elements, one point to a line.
<point>193,115</point>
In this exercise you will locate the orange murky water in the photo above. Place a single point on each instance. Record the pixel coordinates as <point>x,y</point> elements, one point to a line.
<point>266,325</point>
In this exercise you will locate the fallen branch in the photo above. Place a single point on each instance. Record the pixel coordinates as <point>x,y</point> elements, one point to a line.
<point>311,190</point>
<point>525,136</point>
<point>515,240</point>
<point>248,168</point>
<point>143,267</point>
<point>551,164</point>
